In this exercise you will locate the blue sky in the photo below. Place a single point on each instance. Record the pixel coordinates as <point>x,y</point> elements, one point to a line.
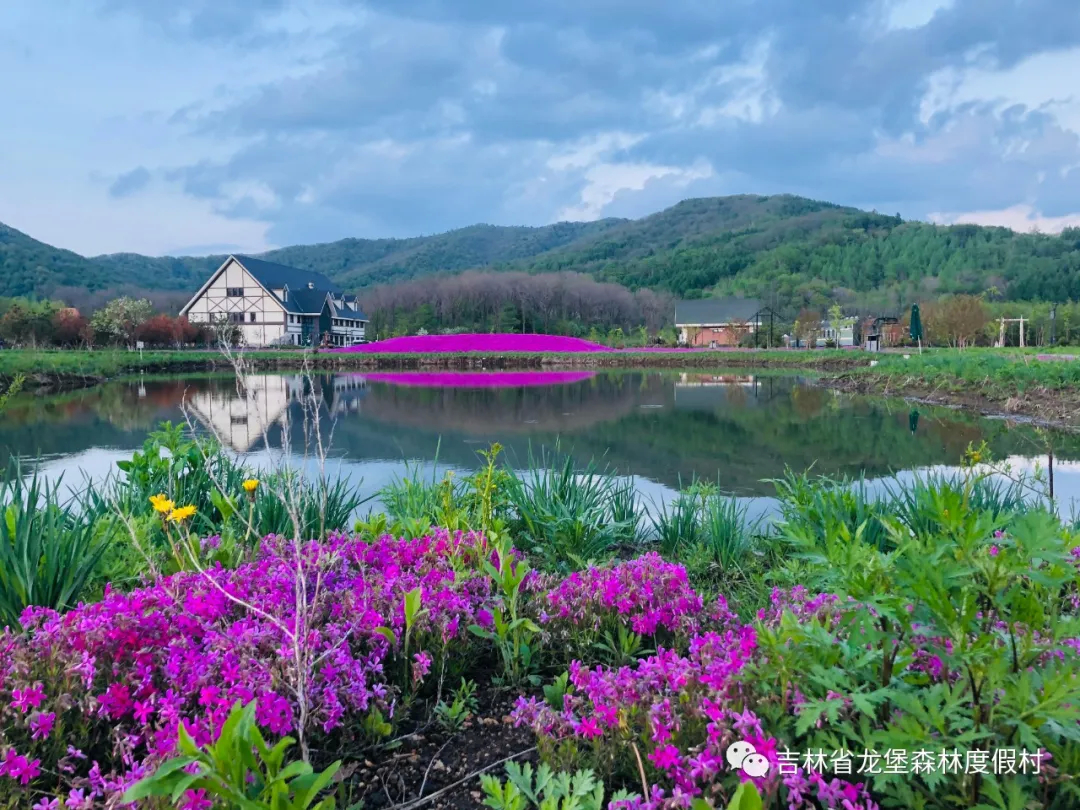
<point>195,126</point>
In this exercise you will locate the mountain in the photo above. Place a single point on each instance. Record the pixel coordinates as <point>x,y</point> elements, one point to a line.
<point>775,247</point>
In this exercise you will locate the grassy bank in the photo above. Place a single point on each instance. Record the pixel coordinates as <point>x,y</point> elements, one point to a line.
<point>989,380</point>
<point>59,368</point>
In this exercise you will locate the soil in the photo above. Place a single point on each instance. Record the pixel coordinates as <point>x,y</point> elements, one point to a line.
<point>434,760</point>
<point>1044,406</point>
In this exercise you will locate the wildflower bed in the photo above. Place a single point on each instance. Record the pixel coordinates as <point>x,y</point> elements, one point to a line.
<point>343,644</point>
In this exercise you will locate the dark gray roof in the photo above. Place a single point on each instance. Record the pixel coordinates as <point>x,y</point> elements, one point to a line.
<point>305,300</point>
<point>302,298</point>
<point>709,311</point>
<point>275,276</point>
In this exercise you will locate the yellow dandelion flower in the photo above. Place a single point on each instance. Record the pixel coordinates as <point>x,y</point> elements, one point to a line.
<point>250,485</point>
<point>162,504</point>
<point>181,514</point>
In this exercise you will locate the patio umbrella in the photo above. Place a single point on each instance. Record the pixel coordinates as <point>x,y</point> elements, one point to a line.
<point>916,325</point>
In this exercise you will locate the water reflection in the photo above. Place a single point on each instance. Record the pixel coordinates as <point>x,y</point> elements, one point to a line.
<point>666,428</point>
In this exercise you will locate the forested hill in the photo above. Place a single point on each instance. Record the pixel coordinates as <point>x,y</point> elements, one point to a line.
<point>782,246</point>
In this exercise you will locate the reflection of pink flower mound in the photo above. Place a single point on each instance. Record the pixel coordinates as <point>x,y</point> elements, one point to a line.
<point>427,344</point>
<point>481,379</point>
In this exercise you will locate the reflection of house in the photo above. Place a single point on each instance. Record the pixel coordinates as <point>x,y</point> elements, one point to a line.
<point>715,392</point>
<point>687,380</point>
<point>272,304</point>
<point>242,418</point>
<point>716,322</point>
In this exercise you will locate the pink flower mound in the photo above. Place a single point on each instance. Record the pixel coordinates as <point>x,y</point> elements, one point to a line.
<point>120,675</point>
<point>646,594</point>
<point>498,344</point>
<point>481,379</point>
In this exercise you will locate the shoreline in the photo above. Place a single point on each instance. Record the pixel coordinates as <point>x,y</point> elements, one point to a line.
<point>845,371</point>
<point>56,371</point>
<point>1040,406</point>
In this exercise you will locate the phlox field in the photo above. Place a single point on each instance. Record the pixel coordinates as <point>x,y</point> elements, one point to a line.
<point>449,344</point>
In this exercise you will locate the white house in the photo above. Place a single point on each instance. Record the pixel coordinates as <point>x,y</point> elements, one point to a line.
<point>275,305</point>
<point>842,335</point>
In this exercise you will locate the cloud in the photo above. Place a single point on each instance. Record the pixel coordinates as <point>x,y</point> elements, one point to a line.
<point>1022,218</point>
<point>320,119</point>
<point>130,183</point>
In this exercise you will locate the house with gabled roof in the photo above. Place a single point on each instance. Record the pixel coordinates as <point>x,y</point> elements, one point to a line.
<point>274,305</point>
<point>715,322</point>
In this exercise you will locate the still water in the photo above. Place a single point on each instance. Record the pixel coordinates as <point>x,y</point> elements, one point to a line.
<point>663,428</point>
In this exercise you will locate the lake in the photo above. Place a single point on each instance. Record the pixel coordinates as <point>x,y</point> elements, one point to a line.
<point>664,428</point>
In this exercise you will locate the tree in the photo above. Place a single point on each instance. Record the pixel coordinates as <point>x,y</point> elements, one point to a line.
<point>159,331</point>
<point>70,328</point>
<point>807,326</point>
<point>836,322</point>
<point>28,322</point>
<point>957,320</point>
<point>119,319</point>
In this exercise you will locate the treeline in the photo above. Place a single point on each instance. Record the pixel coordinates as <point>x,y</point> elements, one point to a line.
<point>117,322</point>
<point>552,303</point>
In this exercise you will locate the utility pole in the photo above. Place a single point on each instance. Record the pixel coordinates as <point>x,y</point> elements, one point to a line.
<point>1053,324</point>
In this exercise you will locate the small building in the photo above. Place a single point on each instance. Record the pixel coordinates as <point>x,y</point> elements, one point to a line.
<point>274,305</point>
<point>841,334</point>
<point>716,322</point>
<point>881,332</point>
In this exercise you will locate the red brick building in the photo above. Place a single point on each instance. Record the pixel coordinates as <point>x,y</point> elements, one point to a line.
<point>716,322</point>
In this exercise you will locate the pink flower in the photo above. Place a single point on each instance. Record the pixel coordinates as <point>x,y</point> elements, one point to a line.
<point>994,550</point>
<point>421,667</point>
<point>665,757</point>
<point>589,728</point>
<point>41,725</point>
<point>47,804</point>
<point>17,767</point>
<point>29,698</point>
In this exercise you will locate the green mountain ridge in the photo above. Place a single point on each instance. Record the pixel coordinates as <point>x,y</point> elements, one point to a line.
<point>780,247</point>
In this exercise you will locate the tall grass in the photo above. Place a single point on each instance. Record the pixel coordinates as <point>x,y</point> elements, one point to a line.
<point>814,508</point>
<point>704,524</point>
<point>49,549</point>
<point>568,516</point>
<point>322,507</point>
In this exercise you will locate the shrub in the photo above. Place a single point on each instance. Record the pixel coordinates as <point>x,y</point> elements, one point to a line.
<point>115,679</point>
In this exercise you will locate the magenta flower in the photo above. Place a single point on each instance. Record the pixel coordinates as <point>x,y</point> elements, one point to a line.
<point>17,767</point>
<point>665,757</point>
<point>29,698</point>
<point>47,804</point>
<point>421,667</point>
<point>41,725</point>
<point>589,728</point>
<point>994,550</point>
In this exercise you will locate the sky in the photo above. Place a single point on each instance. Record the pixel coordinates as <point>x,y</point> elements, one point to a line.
<point>207,126</point>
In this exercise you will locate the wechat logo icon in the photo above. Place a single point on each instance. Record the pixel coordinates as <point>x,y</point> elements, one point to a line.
<point>743,756</point>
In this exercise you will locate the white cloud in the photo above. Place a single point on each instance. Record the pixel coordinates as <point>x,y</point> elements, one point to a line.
<point>605,180</point>
<point>914,13</point>
<point>1046,81</point>
<point>1020,218</point>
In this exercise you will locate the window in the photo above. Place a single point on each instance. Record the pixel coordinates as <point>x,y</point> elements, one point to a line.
<point>251,317</point>
<point>238,420</point>
<point>236,317</point>
<point>235,292</point>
